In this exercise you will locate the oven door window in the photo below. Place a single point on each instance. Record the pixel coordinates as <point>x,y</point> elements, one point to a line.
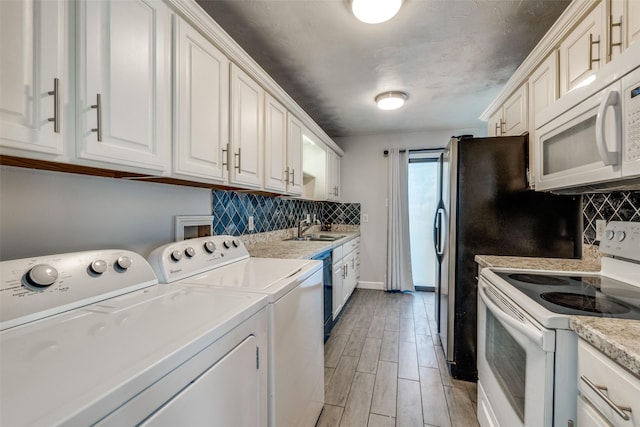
<point>508,363</point>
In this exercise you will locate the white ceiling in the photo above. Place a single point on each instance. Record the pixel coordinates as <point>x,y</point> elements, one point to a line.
<point>451,56</point>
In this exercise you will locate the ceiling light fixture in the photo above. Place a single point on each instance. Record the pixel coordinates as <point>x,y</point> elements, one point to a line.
<point>375,11</point>
<point>391,100</point>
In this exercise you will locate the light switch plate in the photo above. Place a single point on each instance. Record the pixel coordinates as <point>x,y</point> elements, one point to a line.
<point>601,224</point>
<point>250,225</point>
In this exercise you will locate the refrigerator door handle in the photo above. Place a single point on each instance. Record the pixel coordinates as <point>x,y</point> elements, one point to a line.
<point>441,232</point>
<point>436,231</point>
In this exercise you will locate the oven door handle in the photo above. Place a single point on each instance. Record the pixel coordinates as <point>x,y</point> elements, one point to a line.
<point>544,339</point>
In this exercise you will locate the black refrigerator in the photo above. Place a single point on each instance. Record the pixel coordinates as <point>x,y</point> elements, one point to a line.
<point>487,208</point>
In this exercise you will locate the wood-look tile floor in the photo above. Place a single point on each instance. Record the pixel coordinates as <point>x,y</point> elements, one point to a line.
<point>384,367</point>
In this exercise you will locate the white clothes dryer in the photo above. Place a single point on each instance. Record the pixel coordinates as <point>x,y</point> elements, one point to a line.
<point>90,338</point>
<point>295,314</point>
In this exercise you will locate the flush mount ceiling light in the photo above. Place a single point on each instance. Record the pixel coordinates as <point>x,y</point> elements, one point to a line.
<point>375,11</point>
<point>391,100</point>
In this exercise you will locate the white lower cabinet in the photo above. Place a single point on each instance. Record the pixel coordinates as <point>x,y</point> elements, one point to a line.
<point>201,107</point>
<point>36,108</point>
<point>124,84</point>
<point>346,272</point>
<point>247,131</point>
<point>607,394</point>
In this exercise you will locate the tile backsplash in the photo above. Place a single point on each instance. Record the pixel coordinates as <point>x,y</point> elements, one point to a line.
<point>231,211</point>
<point>619,206</point>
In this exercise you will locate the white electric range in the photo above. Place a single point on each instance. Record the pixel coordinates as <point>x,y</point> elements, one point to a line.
<point>527,353</point>
<point>90,338</point>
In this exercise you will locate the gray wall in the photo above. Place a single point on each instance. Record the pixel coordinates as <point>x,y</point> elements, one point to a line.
<point>45,212</point>
<point>364,180</point>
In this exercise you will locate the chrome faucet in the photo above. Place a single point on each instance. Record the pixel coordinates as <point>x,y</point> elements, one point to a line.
<point>309,224</point>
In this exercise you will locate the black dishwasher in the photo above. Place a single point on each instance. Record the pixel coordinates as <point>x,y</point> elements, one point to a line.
<point>327,278</point>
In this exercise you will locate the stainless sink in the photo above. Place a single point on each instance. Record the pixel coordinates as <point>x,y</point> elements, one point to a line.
<point>317,238</point>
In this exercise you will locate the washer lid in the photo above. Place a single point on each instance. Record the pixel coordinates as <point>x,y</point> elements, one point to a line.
<point>83,364</point>
<point>271,276</point>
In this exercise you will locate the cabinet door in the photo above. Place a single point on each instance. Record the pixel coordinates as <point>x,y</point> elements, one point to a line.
<point>33,52</point>
<point>543,91</point>
<point>276,173</point>
<point>333,175</point>
<point>582,52</point>
<point>201,106</point>
<point>124,64</point>
<point>495,125</point>
<point>338,292</point>
<point>515,112</point>
<point>632,18</point>
<point>247,133</point>
<point>294,155</point>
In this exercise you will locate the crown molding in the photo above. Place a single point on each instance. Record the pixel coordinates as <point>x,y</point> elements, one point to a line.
<point>571,16</point>
<point>196,16</point>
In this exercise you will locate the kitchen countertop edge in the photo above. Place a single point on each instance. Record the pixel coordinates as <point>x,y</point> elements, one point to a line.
<point>618,339</point>
<point>292,249</point>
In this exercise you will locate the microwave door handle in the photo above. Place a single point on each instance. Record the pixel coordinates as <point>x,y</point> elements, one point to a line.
<point>609,157</point>
<point>539,337</point>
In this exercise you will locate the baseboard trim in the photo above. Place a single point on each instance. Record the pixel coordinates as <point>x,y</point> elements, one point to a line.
<point>371,285</point>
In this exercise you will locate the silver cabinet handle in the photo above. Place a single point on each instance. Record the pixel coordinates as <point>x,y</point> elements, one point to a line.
<point>502,125</point>
<point>499,128</point>
<point>591,43</point>
<point>293,176</point>
<point>98,107</point>
<point>225,156</point>
<point>598,389</point>
<point>56,105</point>
<point>611,44</point>
<point>239,156</point>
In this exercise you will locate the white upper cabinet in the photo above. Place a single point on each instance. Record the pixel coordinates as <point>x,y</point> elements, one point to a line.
<point>35,88</point>
<point>511,118</point>
<point>247,131</point>
<point>124,83</point>
<point>294,155</point>
<point>623,25</point>
<point>543,91</point>
<point>515,112</point>
<point>333,175</point>
<point>276,174</point>
<point>582,52</point>
<point>201,107</point>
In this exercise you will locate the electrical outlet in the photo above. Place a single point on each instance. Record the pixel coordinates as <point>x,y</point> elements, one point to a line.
<point>365,217</point>
<point>308,217</point>
<point>600,227</point>
<point>250,225</point>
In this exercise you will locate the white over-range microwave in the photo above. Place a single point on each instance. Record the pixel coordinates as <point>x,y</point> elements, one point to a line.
<point>590,138</point>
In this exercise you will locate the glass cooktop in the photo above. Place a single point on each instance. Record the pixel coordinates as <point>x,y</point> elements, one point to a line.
<point>579,295</point>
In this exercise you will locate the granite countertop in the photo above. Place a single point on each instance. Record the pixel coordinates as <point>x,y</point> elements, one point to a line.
<point>619,339</point>
<point>532,263</point>
<point>295,248</point>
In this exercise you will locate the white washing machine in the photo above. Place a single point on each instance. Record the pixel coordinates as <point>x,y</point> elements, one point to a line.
<point>91,338</point>
<point>294,291</point>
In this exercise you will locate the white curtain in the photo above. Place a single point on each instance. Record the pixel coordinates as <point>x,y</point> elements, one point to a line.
<point>399,277</point>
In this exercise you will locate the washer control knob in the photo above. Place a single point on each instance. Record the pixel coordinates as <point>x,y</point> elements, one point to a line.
<point>610,234</point>
<point>236,243</point>
<point>621,235</point>
<point>124,262</point>
<point>98,266</point>
<point>176,255</point>
<point>42,275</point>
<point>226,244</point>
<point>209,246</point>
<point>190,252</point>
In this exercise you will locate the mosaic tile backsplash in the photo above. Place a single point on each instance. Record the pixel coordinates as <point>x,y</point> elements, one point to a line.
<point>619,206</point>
<point>231,211</point>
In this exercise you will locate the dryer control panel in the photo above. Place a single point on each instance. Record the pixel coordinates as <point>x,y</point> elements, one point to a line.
<point>179,260</point>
